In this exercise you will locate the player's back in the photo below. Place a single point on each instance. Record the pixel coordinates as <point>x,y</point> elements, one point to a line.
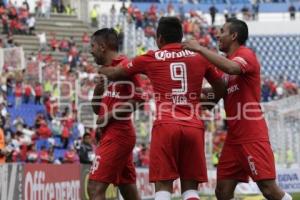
<point>176,76</point>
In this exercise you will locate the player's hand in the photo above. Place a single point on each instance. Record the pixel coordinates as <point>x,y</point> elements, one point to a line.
<point>192,45</point>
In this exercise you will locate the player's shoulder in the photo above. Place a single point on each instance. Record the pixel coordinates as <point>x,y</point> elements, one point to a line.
<point>123,60</point>
<point>245,51</point>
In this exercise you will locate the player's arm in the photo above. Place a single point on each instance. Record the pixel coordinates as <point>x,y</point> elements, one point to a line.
<point>137,66</point>
<point>224,64</point>
<point>98,92</point>
<point>114,73</point>
<point>212,95</point>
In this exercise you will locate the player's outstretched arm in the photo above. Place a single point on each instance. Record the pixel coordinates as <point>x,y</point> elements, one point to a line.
<point>114,73</point>
<point>224,64</point>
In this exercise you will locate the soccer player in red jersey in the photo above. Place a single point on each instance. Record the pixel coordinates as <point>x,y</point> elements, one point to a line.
<point>247,150</point>
<point>177,144</point>
<point>113,162</point>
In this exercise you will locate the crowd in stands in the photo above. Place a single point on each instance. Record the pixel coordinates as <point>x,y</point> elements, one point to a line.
<point>19,20</point>
<point>57,135</point>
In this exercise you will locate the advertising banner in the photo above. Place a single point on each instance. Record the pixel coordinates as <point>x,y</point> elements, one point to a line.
<point>289,179</point>
<point>49,182</point>
<point>11,176</point>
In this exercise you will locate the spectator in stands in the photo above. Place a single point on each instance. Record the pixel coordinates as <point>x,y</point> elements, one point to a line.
<point>246,13</point>
<point>38,8</point>
<point>292,11</point>
<point>94,17</point>
<point>123,9</point>
<point>65,135</point>
<point>44,155</point>
<point>71,42</point>
<point>31,24</point>
<point>43,131</point>
<point>113,10</point>
<point>54,43</point>
<point>69,10</point>
<point>46,8</point>
<point>61,7</point>
<point>64,45</point>
<point>212,11</point>
<point>265,91</point>
<point>38,90</point>
<point>26,5</point>
<point>71,156</point>
<point>144,156</point>
<point>42,41</point>
<point>18,94</point>
<point>32,154</point>
<point>27,93</point>
<point>4,19</point>
<point>51,158</point>
<point>85,152</point>
<point>10,41</point>
<point>255,9</point>
<point>85,39</point>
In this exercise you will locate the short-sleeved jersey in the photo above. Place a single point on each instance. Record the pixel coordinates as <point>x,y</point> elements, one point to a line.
<point>118,93</point>
<point>242,102</point>
<point>176,76</point>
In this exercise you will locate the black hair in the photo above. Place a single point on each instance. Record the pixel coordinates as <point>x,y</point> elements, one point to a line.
<point>109,36</point>
<point>239,27</point>
<point>170,29</point>
<point>86,135</point>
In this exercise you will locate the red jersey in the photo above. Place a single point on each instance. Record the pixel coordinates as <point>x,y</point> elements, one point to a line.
<point>118,93</point>
<point>242,102</point>
<point>176,76</point>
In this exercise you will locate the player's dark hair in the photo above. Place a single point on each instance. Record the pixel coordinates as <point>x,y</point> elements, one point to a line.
<point>170,29</point>
<point>239,27</point>
<point>109,36</point>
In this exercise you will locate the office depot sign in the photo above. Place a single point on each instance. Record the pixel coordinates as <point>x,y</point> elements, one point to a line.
<point>47,182</point>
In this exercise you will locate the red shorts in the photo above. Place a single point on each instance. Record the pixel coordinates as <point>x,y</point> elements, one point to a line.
<point>239,161</point>
<point>114,162</point>
<point>177,151</point>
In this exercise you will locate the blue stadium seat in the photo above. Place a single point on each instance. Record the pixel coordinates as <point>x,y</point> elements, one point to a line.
<point>279,54</point>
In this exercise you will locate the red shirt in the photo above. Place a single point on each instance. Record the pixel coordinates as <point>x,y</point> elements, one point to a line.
<point>117,93</point>
<point>44,156</point>
<point>176,76</point>
<point>18,91</point>
<point>27,90</point>
<point>243,111</point>
<point>70,156</point>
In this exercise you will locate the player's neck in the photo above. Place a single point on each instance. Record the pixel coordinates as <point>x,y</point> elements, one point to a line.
<point>233,48</point>
<point>111,55</point>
